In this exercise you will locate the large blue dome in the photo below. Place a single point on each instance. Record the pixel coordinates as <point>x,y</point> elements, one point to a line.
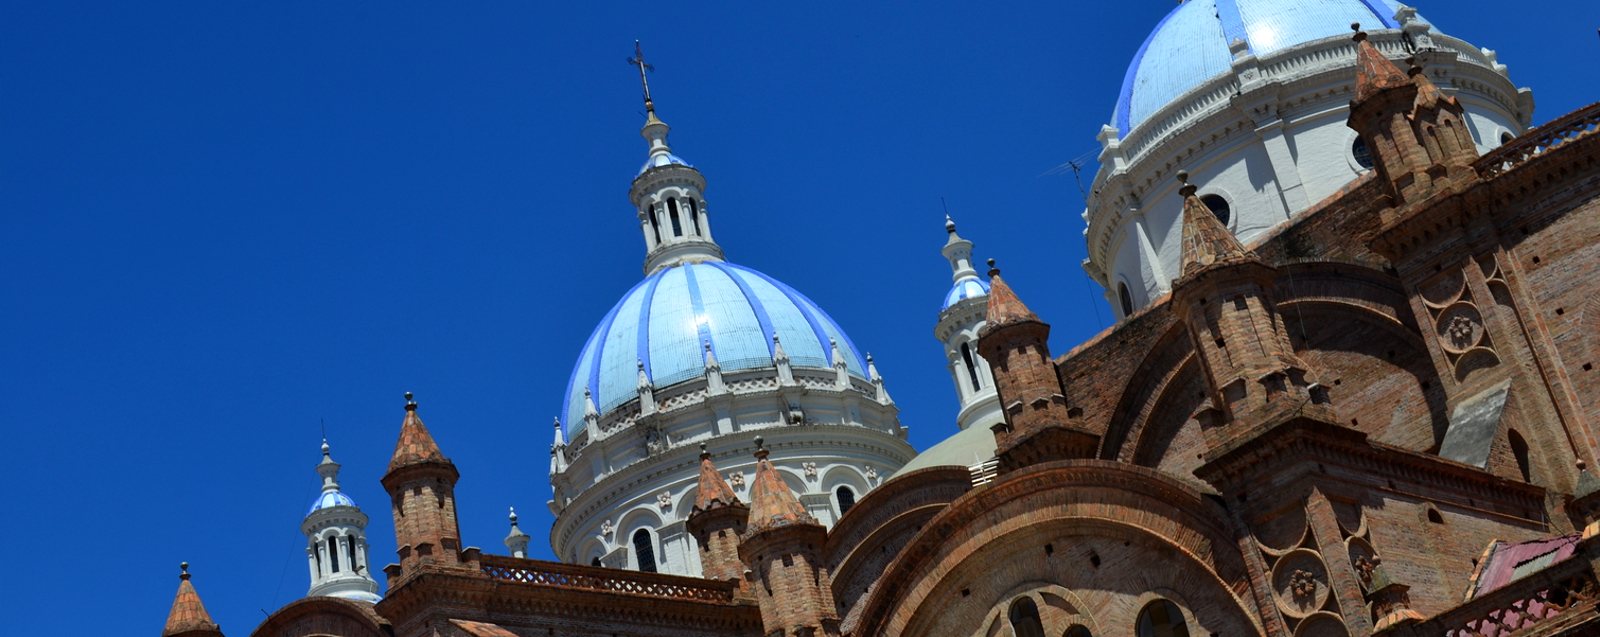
<point>665,320</point>
<point>1190,45</point>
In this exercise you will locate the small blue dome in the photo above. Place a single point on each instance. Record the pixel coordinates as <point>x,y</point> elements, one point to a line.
<point>665,320</point>
<point>963,290</point>
<point>663,160</point>
<point>1190,45</point>
<point>334,499</point>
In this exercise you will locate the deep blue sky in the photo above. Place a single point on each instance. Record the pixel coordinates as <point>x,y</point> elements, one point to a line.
<point>223,222</point>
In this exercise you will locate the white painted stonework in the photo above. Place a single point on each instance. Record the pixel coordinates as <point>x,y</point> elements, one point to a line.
<point>1270,138</point>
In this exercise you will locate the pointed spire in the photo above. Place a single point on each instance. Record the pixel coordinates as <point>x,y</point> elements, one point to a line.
<point>329,471</point>
<point>1374,72</point>
<point>558,455</point>
<point>1205,240</point>
<point>841,370</point>
<point>772,504</point>
<point>1428,94</point>
<point>958,252</point>
<point>714,384</point>
<point>836,356</point>
<point>881,394</point>
<point>714,492</point>
<point>189,617</point>
<point>416,445</point>
<point>517,541</point>
<point>1004,306</point>
<point>711,359</point>
<point>780,358</point>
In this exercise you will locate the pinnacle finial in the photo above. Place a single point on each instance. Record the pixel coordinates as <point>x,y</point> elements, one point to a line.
<point>1186,189</point>
<point>513,517</point>
<point>324,446</point>
<point>1360,35</point>
<point>949,224</point>
<point>184,566</point>
<point>993,271</point>
<point>411,402</point>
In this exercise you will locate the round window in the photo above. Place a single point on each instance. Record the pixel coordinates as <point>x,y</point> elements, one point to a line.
<point>1218,207</point>
<point>1362,154</point>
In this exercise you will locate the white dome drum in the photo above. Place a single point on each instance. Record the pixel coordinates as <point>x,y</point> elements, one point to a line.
<point>1251,97</point>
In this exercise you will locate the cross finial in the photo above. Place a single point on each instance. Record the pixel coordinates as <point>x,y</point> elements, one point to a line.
<point>638,60</point>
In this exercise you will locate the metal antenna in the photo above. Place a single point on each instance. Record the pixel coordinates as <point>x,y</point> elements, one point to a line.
<point>1076,165</point>
<point>946,207</point>
<point>324,428</point>
<point>638,60</point>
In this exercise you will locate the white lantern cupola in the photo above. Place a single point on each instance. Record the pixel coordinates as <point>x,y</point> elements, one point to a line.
<point>336,541</point>
<point>960,318</point>
<point>668,195</point>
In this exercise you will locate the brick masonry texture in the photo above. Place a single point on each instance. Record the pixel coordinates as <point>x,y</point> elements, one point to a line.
<point>1261,448</point>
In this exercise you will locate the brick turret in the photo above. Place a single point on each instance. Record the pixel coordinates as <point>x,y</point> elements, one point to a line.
<point>189,617</point>
<point>421,484</point>
<point>1038,427</point>
<point>1225,298</point>
<point>1418,137</point>
<point>716,521</point>
<point>782,547</point>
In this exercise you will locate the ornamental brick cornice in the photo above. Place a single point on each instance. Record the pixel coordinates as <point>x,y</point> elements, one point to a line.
<point>1304,445</point>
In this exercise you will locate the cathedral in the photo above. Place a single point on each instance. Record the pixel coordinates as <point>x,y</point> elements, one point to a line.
<point>1350,391</point>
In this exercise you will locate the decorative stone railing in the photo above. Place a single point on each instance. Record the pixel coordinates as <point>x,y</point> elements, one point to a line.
<point>1566,128</point>
<point>539,573</point>
<point>1563,593</point>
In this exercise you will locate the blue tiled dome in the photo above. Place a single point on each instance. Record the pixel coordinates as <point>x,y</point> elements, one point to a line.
<point>1190,45</point>
<point>663,160</point>
<point>963,290</point>
<point>665,319</point>
<point>334,499</point>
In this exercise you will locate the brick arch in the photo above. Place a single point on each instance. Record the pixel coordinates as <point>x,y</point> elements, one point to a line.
<point>1146,384</point>
<point>867,538</point>
<point>324,616</point>
<point>1166,533</point>
<point>1170,438</point>
<point>1396,399</point>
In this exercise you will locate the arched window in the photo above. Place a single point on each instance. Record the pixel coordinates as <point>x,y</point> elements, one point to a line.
<point>333,552</point>
<point>1025,620</point>
<point>1218,206</point>
<point>1506,137</point>
<point>672,211</point>
<point>1360,152</point>
<point>1079,630</point>
<point>655,224</point>
<point>1161,618</point>
<point>1434,517</point>
<point>972,368</point>
<point>694,215</point>
<point>1519,448</point>
<point>847,499</point>
<point>645,548</point>
<point>595,561</point>
<point>1125,298</point>
<point>350,551</point>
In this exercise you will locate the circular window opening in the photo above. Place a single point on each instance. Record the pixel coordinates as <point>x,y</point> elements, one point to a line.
<point>1218,206</point>
<point>1362,154</point>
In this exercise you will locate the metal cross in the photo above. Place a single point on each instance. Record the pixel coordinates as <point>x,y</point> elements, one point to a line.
<point>638,60</point>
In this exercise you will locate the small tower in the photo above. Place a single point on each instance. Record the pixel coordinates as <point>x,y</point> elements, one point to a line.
<point>336,541</point>
<point>1225,298</point>
<point>1038,427</point>
<point>1418,137</point>
<point>517,541</point>
<point>189,617</point>
<point>421,483</point>
<point>716,521</point>
<point>961,318</point>
<point>782,547</point>
<point>667,194</point>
